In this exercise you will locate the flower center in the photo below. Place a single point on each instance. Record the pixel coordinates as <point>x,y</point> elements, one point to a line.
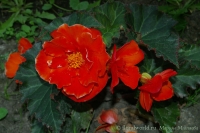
<point>75,60</point>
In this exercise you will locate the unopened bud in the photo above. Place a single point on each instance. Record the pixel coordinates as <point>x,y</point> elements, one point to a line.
<point>145,77</point>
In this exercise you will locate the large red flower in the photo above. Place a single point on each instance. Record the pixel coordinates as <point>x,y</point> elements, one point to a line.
<point>158,88</point>
<point>122,64</point>
<point>15,59</point>
<point>75,60</point>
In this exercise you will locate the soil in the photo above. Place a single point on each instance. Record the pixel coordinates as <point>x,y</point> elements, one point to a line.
<point>18,119</point>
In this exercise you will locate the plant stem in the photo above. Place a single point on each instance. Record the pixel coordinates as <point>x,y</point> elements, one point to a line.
<point>62,8</point>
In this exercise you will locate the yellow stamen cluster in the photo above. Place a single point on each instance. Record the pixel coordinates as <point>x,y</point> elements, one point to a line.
<point>75,60</point>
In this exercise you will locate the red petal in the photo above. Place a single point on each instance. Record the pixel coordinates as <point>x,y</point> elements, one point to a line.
<point>152,86</point>
<point>77,90</point>
<point>130,53</point>
<point>145,100</point>
<point>95,33</point>
<point>115,78</point>
<point>60,76</point>
<point>12,64</point>
<point>41,65</point>
<point>55,34</point>
<point>114,69</point>
<point>102,127</point>
<point>91,44</point>
<point>58,62</point>
<point>130,76</point>
<point>94,48</point>
<point>102,81</point>
<point>109,117</point>
<point>65,43</point>
<point>53,50</point>
<point>165,93</point>
<point>72,32</point>
<point>89,72</point>
<point>167,74</point>
<point>24,45</point>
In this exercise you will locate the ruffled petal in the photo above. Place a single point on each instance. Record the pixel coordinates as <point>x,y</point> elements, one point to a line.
<point>152,86</point>
<point>72,32</point>
<point>42,65</point>
<point>130,53</point>
<point>109,117</point>
<point>24,45</point>
<point>95,33</point>
<point>167,74</point>
<point>61,77</point>
<point>77,90</point>
<point>89,72</point>
<point>145,100</point>
<point>65,43</point>
<point>165,93</point>
<point>130,76</point>
<point>12,64</point>
<point>92,44</point>
<point>53,50</point>
<point>95,48</point>
<point>97,88</point>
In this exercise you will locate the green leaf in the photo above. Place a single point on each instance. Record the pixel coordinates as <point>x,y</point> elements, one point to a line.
<point>94,4</point>
<point>46,7</point>
<point>166,114</point>
<point>188,74</point>
<point>51,1</point>
<point>28,11</point>
<point>21,34</point>
<point>3,113</point>
<point>77,5</point>
<point>154,30</point>
<point>111,17</point>
<point>85,19</point>
<point>45,15</point>
<point>26,28</point>
<point>38,92</point>
<point>190,54</point>
<point>8,23</point>
<point>187,77</point>
<point>37,127</point>
<point>81,117</point>
<point>166,8</point>
<point>151,64</point>
<point>21,18</point>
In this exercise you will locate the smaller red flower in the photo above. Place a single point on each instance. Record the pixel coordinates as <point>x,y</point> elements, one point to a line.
<point>158,88</point>
<point>15,59</point>
<point>122,64</point>
<point>108,120</point>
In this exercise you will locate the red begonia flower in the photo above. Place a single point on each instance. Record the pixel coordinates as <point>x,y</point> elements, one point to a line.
<point>108,120</point>
<point>75,60</point>
<point>158,88</point>
<point>122,65</point>
<point>15,59</point>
